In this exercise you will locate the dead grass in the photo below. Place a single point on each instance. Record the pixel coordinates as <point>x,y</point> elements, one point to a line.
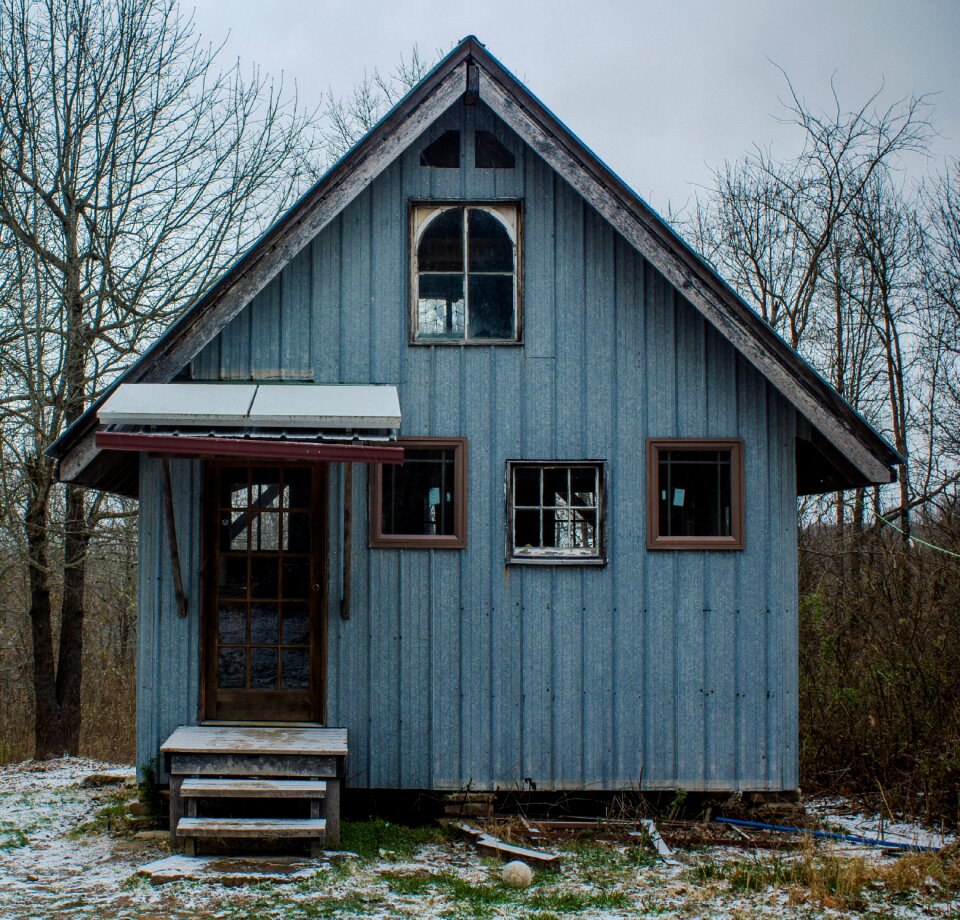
<point>838,881</point>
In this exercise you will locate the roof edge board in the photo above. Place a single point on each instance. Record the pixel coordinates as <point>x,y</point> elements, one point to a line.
<point>344,188</point>
<point>545,142</point>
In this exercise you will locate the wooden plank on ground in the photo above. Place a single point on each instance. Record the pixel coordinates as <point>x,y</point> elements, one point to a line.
<point>487,843</point>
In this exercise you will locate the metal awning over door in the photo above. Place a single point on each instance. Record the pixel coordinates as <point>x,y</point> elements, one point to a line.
<point>307,422</point>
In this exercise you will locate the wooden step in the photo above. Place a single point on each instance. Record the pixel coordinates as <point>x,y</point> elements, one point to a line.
<point>253,788</point>
<point>224,828</point>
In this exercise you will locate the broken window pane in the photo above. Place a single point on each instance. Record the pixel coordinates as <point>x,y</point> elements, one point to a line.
<point>440,306</point>
<point>489,153</point>
<point>444,152</point>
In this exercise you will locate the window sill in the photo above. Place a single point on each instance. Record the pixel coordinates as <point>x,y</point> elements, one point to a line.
<point>557,560</point>
<point>412,542</point>
<point>510,343</point>
<point>723,544</point>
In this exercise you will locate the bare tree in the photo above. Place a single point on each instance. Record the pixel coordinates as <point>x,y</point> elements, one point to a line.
<point>826,246</point>
<point>132,170</point>
<point>349,117</point>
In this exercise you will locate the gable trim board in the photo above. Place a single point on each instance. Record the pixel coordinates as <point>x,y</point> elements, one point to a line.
<point>469,64</point>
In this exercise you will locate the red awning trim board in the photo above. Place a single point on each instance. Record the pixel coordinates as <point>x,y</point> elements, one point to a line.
<point>248,448</point>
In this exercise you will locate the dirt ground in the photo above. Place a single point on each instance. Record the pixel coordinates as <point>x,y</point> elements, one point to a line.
<point>60,858</point>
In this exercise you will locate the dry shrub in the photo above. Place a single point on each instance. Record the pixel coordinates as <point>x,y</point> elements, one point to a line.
<point>833,880</point>
<point>879,685</point>
<point>108,690</point>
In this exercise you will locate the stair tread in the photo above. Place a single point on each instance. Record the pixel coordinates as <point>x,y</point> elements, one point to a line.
<point>251,827</point>
<point>253,788</point>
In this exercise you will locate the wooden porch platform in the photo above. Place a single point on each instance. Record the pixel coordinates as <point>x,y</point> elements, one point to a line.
<point>227,763</point>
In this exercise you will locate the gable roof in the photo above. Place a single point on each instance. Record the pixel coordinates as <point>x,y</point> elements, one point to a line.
<point>854,453</point>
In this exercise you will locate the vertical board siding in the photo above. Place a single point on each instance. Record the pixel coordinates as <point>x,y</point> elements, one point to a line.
<point>168,647</point>
<point>657,670</point>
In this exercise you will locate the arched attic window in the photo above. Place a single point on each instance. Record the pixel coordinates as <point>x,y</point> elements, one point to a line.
<point>465,274</point>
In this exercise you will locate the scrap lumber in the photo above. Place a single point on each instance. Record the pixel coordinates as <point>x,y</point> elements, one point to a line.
<point>487,843</point>
<point>652,835</point>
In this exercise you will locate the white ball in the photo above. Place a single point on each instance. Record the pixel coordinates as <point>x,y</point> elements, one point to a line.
<point>517,874</point>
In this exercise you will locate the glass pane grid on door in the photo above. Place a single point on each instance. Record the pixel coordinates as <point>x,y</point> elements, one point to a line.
<point>263,618</point>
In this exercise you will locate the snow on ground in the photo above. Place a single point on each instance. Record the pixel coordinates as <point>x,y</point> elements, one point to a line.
<point>45,872</point>
<point>843,816</point>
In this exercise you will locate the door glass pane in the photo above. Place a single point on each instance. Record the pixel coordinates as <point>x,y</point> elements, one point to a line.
<point>263,668</point>
<point>263,623</point>
<point>265,532</point>
<point>263,577</point>
<point>233,488</point>
<point>296,492</point>
<point>233,624</point>
<point>233,575</point>
<point>233,530</point>
<point>265,492</point>
<point>230,668</point>
<point>296,624</point>
<point>296,577</point>
<point>296,673</point>
<point>297,536</point>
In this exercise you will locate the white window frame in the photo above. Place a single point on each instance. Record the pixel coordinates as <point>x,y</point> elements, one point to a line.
<point>507,213</point>
<point>544,555</point>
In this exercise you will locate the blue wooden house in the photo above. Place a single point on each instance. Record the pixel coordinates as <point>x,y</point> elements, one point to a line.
<point>473,460</point>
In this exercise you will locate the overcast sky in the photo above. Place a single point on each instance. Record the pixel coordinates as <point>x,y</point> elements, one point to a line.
<point>661,91</point>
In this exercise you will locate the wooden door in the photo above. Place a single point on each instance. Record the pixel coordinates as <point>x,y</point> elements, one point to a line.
<point>264,630</point>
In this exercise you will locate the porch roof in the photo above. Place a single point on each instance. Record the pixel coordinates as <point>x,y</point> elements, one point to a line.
<point>342,407</point>
<point>347,423</point>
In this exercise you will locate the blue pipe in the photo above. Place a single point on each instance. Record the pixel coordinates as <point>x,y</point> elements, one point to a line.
<point>831,835</point>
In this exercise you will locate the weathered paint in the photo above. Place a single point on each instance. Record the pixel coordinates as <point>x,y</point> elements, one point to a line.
<point>660,669</point>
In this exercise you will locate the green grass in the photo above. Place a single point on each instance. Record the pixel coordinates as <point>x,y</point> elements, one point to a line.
<point>409,883</point>
<point>575,901</point>
<point>379,839</point>
<point>11,837</point>
<point>109,818</point>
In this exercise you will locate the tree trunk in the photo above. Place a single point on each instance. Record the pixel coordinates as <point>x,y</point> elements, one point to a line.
<point>70,665</point>
<point>48,723</point>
